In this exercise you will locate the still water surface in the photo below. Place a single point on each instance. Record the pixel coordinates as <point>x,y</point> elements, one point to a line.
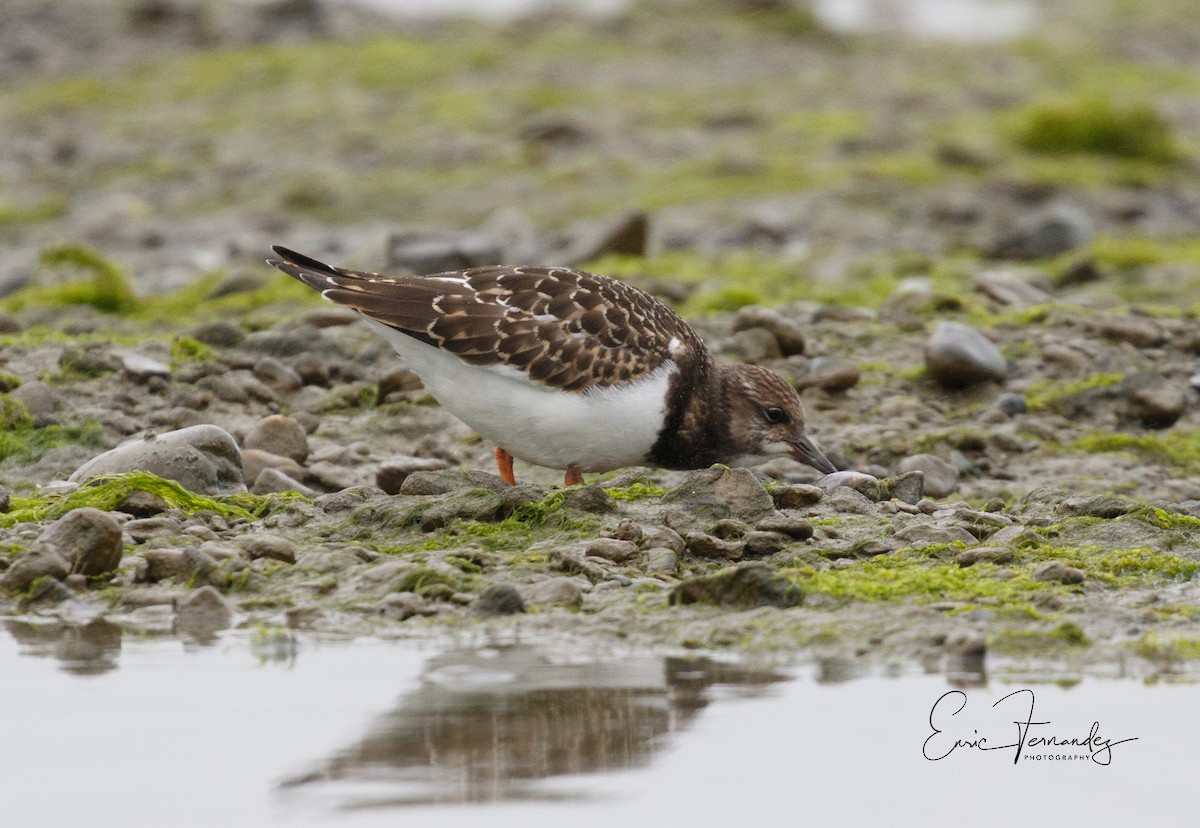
<point>104,729</point>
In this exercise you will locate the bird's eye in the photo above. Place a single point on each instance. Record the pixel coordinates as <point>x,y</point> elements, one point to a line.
<point>777,416</point>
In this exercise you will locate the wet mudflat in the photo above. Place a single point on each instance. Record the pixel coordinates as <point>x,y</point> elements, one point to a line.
<point>275,729</point>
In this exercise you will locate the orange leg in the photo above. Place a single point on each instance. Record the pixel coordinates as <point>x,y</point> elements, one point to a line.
<point>504,464</point>
<point>574,476</point>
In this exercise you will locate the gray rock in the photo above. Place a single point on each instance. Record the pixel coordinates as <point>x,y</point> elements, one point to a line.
<point>395,470</point>
<point>499,599</point>
<point>628,234</point>
<point>716,493</point>
<point>965,642</point>
<point>1152,400</point>
<point>203,612</point>
<point>750,584</point>
<point>203,459</point>
<point>1009,289</point>
<point>832,374</point>
<point>985,554</point>
<point>401,606</point>
<point>1011,404</point>
<point>619,551</point>
<point>706,546</point>
<point>556,590</point>
<point>1140,331</point>
<point>279,434</point>
<point>1058,571</point>
<point>41,400</point>
<point>908,487</point>
<point>1051,232</point>
<point>141,367</point>
<point>865,484</point>
<point>271,481</point>
<point>218,334</point>
<point>267,546</point>
<point>759,542</point>
<point>424,253</point>
<point>143,529</point>
<point>255,461</point>
<point>33,566</point>
<point>162,564</point>
<point>661,561</point>
<point>450,480</point>
<point>88,539</point>
<point>924,534</point>
<point>941,478</point>
<point>277,374</point>
<point>662,536</point>
<point>754,345</point>
<point>797,496</point>
<point>5,503</point>
<point>788,334</point>
<point>788,523</point>
<point>958,356</point>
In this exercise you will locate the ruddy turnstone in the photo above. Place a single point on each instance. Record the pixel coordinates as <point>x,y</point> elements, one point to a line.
<point>571,370</point>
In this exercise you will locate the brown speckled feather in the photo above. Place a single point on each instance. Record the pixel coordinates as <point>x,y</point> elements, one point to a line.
<point>565,328</point>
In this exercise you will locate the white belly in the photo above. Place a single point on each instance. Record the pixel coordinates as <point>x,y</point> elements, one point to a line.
<point>598,430</point>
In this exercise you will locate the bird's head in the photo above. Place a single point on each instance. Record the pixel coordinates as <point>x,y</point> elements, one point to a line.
<point>766,419</point>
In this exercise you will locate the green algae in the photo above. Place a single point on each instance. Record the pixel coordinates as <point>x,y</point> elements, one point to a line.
<point>1048,394</point>
<point>1038,641</point>
<point>636,491</point>
<point>1168,647</point>
<point>23,442</point>
<point>186,350</point>
<point>1097,126</point>
<point>109,492</point>
<point>1178,447</point>
<point>86,278</point>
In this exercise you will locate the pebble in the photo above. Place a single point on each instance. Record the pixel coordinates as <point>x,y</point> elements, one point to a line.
<point>1140,331</point>
<point>255,462</point>
<point>1045,234</point>
<point>759,542</point>
<point>277,374</point>
<point>450,480</point>
<point>924,534</point>
<point>754,345</point>
<point>33,566</point>
<point>203,612</point>
<point>142,368</point>
<point>1152,400</point>
<point>941,478</point>
<point>907,487</point>
<point>787,523</point>
<point>141,530</point>
<point>626,234</point>
<point>556,590</point>
<point>965,642</point>
<point>89,540</point>
<point>958,356</point>
<point>218,334</point>
<point>706,546</point>
<point>499,599</point>
<point>1011,404</point>
<point>1058,571</point>
<point>661,561</point>
<point>788,335</point>
<point>162,564</point>
<point>749,584</point>
<point>716,493</point>
<point>797,495</point>
<point>40,399</point>
<point>203,459</point>
<point>985,554</point>
<point>865,484</point>
<point>271,481</point>
<point>662,536</point>
<point>1009,289</point>
<point>261,545</point>
<point>279,434</point>
<point>618,551</point>
<point>832,374</point>
<point>395,470</point>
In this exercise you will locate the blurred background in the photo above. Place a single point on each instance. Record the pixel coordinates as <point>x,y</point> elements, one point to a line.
<point>737,152</point>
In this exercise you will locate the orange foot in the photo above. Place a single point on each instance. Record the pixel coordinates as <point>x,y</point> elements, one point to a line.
<point>504,464</point>
<point>574,476</point>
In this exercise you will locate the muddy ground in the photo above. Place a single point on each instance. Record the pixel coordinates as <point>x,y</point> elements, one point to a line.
<point>1042,191</point>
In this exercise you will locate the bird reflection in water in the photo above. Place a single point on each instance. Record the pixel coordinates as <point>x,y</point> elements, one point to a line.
<point>490,725</point>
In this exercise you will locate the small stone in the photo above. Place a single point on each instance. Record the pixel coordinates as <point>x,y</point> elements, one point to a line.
<point>271,481</point>
<point>865,484</point>
<point>1058,571</point>
<point>765,543</point>
<point>787,523</point>
<point>958,356</point>
<point>716,493</point>
<point>832,374</point>
<point>255,461</point>
<point>277,374</point>
<point>142,368</point>
<point>618,551</point>
<point>499,599</point>
<point>754,345</point>
<point>424,253</point>
<point>707,546</point>
<point>395,470</point>
<point>908,487</point>
<point>450,480</point>
<point>662,536</point>
<point>279,434</point>
<point>661,561</point>
<point>965,642</point>
<point>924,534</point>
<point>5,503</point>
<point>88,539</point>
<point>401,606</point>
<point>557,590</point>
<point>1139,331</point>
<point>797,496</point>
<point>203,612</point>
<point>39,398</point>
<point>141,530</point>
<point>1043,235</point>
<point>788,334</point>
<point>218,334</point>
<point>33,566</point>
<point>203,459</point>
<point>162,564</point>
<point>750,584</point>
<point>941,478</point>
<point>1009,289</point>
<point>142,504</point>
<point>1011,404</point>
<point>592,499</point>
<point>1152,400</point>
<point>625,234</point>
<point>985,554</point>
<point>267,546</point>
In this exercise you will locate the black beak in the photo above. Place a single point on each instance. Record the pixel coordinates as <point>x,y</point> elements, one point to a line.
<point>806,451</point>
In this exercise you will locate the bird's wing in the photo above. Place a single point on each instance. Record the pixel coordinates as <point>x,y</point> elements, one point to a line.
<point>563,328</point>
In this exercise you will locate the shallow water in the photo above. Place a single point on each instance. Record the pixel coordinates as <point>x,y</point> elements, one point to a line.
<point>101,728</point>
